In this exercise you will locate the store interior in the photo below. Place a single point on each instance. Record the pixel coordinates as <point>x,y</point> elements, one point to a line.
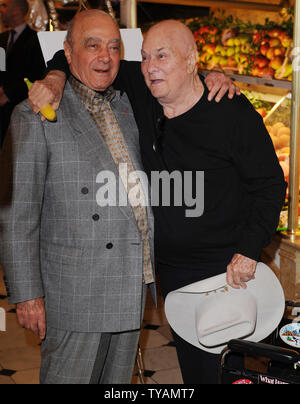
<point>253,43</point>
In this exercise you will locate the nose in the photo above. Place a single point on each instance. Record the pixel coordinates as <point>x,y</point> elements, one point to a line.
<point>104,55</point>
<point>151,65</point>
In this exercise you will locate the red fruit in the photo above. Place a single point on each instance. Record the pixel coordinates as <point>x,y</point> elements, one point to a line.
<point>210,48</point>
<point>275,42</point>
<point>257,37</point>
<point>232,62</point>
<point>213,30</point>
<point>264,49</point>
<point>275,33</point>
<point>262,112</point>
<point>267,72</point>
<point>205,30</point>
<point>276,63</point>
<point>261,62</point>
<point>286,41</point>
<point>279,51</point>
<point>270,54</point>
<point>265,41</point>
<point>255,71</point>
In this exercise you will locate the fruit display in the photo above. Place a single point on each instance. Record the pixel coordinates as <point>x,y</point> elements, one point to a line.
<point>244,48</point>
<point>261,105</point>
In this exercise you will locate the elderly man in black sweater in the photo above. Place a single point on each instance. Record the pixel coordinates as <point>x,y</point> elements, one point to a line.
<point>182,131</point>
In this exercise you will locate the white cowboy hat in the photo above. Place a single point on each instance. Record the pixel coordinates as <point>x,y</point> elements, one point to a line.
<point>208,314</point>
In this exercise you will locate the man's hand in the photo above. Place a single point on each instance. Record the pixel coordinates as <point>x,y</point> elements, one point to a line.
<point>32,316</point>
<point>240,270</point>
<point>219,84</point>
<point>48,91</point>
<point>3,98</point>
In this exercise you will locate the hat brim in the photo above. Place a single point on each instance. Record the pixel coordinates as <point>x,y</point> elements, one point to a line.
<point>180,306</point>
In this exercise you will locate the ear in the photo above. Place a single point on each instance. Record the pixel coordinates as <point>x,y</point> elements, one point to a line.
<point>68,51</point>
<point>192,63</point>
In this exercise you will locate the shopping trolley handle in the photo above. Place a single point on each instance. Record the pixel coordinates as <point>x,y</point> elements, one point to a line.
<point>275,353</point>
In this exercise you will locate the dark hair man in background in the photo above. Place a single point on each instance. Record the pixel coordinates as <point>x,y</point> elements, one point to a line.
<point>24,58</point>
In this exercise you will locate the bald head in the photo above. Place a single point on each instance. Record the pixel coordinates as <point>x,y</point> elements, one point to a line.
<point>83,18</point>
<point>175,33</point>
<point>93,49</point>
<point>170,59</point>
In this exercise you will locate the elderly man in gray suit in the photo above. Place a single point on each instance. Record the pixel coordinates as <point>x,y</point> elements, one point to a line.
<point>78,270</point>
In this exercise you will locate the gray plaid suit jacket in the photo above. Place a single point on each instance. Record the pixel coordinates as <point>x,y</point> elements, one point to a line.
<point>55,240</point>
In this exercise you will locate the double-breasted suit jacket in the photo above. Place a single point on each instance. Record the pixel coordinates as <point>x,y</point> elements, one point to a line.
<point>56,240</point>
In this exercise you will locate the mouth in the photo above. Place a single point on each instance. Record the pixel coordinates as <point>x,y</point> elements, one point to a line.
<point>102,71</point>
<point>156,82</point>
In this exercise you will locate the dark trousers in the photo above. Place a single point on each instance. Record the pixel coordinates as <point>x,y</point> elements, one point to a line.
<point>197,366</point>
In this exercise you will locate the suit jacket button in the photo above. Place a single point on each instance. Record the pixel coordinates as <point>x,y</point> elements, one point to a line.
<point>85,191</point>
<point>109,246</point>
<point>96,218</point>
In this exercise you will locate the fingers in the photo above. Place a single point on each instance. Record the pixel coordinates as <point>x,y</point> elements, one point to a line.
<point>234,279</point>
<point>39,96</point>
<point>219,84</point>
<point>240,271</point>
<point>213,90</point>
<point>31,315</point>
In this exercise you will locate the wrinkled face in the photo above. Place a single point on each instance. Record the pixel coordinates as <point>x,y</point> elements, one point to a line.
<point>6,10</point>
<point>164,66</point>
<point>94,55</point>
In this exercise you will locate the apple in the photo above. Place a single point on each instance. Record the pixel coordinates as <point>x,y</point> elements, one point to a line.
<point>267,72</point>
<point>204,30</point>
<point>270,54</point>
<point>255,71</point>
<point>237,41</point>
<point>276,63</point>
<point>279,51</point>
<point>275,33</point>
<point>275,42</point>
<point>205,57</point>
<point>209,48</point>
<point>286,41</point>
<point>230,52</point>
<point>231,62</point>
<point>264,49</point>
<point>229,42</point>
<point>265,41</point>
<point>213,30</point>
<point>246,47</point>
<point>218,49</point>
<point>256,37</point>
<point>237,50</point>
<point>261,62</point>
<point>262,112</point>
<point>216,59</point>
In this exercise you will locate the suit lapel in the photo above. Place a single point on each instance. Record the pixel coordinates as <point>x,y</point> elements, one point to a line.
<point>19,44</point>
<point>87,135</point>
<point>4,40</point>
